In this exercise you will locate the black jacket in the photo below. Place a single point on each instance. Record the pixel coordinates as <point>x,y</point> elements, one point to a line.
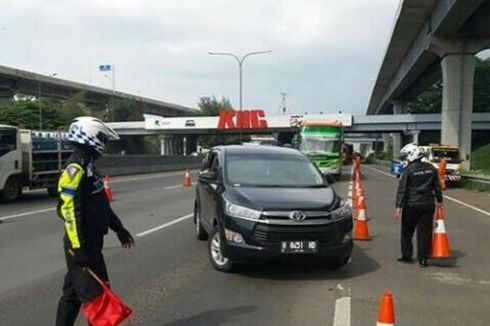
<point>82,204</point>
<point>419,185</point>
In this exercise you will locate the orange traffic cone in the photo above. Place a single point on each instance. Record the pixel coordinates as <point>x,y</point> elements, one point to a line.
<point>187,179</point>
<point>440,241</point>
<point>361,231</point>
<point>361,209</point>
<point>386,313</point>
<point>107,188</point>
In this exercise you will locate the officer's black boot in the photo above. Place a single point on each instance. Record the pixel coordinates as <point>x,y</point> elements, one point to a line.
<point>67,312</point>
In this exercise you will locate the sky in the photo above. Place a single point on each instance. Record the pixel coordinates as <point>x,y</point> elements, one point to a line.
<point>325,54</point>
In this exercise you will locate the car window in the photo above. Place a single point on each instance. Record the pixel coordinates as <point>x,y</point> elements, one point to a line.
<point>8,140</point>
<point>267,170</point>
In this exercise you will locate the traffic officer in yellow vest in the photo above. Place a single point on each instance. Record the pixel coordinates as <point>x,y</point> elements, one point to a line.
<point>87,216</point>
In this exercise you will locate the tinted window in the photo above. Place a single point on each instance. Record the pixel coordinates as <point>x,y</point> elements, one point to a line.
<point>267,170</point>
<point>8,140</point>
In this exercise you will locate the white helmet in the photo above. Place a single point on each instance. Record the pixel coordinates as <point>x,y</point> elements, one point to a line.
<point>91,132</point>
<point>412,152</point>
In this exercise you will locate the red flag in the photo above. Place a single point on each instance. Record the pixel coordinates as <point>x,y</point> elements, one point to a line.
<point>107,309</point>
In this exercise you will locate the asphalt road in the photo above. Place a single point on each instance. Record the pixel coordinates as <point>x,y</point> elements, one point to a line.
<point>168,280</point>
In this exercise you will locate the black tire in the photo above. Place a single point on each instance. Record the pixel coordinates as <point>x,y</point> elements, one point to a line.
<point>200,232</point>
<point>217,259</point>
<point>335,263</point>
<point>12,189</point>
<point>52,191</point>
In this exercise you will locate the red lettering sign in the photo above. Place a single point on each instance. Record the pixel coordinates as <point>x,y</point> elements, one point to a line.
<point>226,120</point>
<point>246,119</point>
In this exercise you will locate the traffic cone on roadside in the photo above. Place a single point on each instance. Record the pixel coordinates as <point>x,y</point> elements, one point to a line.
<point>187,179</point>
<point>386,312</point>
<point>440,241</point>
<point>361,231</point>
<point>107,188</point>
<point>361,209</point>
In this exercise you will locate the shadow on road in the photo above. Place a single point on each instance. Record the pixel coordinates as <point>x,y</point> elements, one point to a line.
<point>292,270</point>
<point>213,317</point>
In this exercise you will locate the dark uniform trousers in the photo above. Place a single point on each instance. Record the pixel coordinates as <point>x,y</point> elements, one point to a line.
<point>79,287</point>
<point>418,217</point>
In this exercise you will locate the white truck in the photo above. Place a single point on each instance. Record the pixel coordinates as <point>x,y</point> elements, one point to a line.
<point>30,160</point>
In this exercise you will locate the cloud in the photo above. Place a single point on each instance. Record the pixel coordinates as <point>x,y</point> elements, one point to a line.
<point>325,52</point>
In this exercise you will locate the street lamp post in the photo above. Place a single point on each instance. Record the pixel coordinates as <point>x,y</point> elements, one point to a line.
<point>240,82</point>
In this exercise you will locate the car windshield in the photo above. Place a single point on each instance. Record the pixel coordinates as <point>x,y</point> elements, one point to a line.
<point>319,145</point>
<point>450,155</point>
<point>272,170</point>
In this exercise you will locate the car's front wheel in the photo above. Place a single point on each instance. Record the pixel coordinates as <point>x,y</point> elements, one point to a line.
<point>215,249</point>
<point>200,232</point>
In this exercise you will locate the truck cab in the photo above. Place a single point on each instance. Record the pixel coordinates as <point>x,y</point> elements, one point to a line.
<point>10,162</point>
<point>437,152</point>
<point>30,159</point>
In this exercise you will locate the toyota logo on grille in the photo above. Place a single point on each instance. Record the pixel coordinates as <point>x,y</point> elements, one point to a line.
<point>297,216</point>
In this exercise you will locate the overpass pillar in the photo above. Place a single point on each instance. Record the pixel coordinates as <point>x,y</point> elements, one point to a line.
<point>399,107</point>
<point>457,102</point>
<point>397,144</point>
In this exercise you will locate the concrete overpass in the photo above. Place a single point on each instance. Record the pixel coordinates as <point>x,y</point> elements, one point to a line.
<point>434,39</point>
<point>181,132</point>
<point>14,81</point>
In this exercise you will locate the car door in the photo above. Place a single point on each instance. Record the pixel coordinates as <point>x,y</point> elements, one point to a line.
<point>206,190</point>
<point>215,188</point>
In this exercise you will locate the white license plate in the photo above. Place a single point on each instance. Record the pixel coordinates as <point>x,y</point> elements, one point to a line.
<point>299,247</point>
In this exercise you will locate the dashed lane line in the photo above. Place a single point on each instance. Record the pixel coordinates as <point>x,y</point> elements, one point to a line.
<point>341,315</point>
<point>8,217</point>
<point>50,209</point>
<point>479,210</point>
<point>146,177</point>
<point>163,226</point>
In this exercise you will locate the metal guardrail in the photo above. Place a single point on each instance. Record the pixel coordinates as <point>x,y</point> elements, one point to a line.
<point>477,178</point>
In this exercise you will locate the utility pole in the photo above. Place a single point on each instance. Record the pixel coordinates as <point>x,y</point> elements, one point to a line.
<point>240,78</point>
<point>283,102</point>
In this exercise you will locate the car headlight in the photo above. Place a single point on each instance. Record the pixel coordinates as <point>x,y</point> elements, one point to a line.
<point>241,212</point>
<point>343,210</point>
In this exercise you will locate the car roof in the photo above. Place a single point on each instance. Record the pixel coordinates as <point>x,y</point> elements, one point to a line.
<point>258,149</point>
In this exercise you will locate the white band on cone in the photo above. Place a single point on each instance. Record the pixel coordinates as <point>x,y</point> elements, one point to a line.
<point>440,228</point>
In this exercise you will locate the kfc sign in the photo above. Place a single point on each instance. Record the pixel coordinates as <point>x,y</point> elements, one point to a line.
<point>246,119</point>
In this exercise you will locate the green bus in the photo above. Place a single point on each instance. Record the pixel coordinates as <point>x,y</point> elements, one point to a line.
<point>322,143</point>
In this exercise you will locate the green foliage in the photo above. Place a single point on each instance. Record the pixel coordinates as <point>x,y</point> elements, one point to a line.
<point>480,161</point>
<point>74,107</point>
<point>431,100</point>
<point>124,110</point>
<point>210,106</point>
<point>27,114</point>
<point>481,87</point>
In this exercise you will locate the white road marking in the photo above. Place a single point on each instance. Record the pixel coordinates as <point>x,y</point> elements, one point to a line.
<point>54,208</point>
<point>479,210</point>
<point>173,187</point>
<point>27,213</point>
<point>467,205</point>
<point>341,315</point>
<point>150,177</point>
<point>163,226</point>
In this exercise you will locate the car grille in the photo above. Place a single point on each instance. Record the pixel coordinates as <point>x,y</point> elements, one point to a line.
<point>269,234</point>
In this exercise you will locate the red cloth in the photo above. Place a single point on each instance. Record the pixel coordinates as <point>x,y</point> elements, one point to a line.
<point>106,309</point>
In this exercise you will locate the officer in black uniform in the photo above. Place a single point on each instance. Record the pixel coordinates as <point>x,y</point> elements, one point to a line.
<point>87,216</point>
<point>418,191</point>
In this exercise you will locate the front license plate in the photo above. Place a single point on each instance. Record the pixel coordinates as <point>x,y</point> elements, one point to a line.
<point>299,247</point>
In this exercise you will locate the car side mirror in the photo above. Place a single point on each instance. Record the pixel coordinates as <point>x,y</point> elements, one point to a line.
<point>207,176</point>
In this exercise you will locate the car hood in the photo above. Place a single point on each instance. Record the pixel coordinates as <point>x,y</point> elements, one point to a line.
<point>282,198</point>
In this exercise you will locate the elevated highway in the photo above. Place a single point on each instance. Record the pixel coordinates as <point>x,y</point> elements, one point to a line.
<point>13,81</point>
<point>434,39</point>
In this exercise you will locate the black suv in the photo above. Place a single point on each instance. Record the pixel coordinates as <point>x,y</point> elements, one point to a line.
<point>264,201</point>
